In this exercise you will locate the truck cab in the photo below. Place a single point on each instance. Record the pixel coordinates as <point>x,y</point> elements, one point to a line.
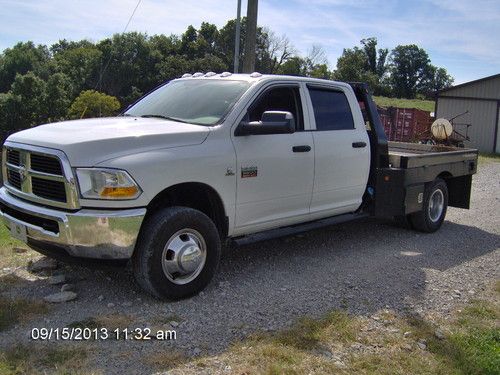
<point>211,157</point>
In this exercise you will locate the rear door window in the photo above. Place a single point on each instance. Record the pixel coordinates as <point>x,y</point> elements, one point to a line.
<point>331,109</point>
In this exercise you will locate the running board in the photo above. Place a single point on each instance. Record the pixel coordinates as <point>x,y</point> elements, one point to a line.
<point>296,229</point>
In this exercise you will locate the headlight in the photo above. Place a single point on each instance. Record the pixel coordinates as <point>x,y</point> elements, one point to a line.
<point>106,184</point>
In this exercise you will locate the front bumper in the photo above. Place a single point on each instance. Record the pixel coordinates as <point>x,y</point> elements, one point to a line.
<point>87,233</point>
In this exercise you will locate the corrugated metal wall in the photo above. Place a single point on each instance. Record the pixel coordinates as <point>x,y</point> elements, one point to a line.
<point>483,110</point>
<point>482,115</point>
<point>483,89</point>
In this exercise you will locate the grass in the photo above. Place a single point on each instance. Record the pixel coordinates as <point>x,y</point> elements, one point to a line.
<point>41,360</point>
<point>339,343</point>
<point>14,311</point>
<point>425,105</point>
<point>488,158</point>
<point>9,258</point>
<point>166,359</point>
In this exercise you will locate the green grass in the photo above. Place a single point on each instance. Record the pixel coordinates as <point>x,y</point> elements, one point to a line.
<point>9,258</point>
<point>488,158</point>
<point>13,311</point>
<point>339,343</point>
<point>425,105</point>
<point>24,359</point>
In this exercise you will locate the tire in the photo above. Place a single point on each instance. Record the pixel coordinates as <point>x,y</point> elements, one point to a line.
<point>433,212</point>
<point>177,253</point>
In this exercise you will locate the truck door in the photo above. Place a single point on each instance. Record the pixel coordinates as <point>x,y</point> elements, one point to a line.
<point>342,151</point>
<point>275,171</point>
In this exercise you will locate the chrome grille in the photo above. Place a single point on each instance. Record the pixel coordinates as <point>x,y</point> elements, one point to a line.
<point>40,175</point>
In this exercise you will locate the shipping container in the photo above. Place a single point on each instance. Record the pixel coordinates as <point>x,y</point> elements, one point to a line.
<point>405,124</point>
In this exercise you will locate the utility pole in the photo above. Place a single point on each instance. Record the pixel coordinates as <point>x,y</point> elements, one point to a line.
<point>237,39</point>
<point>250,37</point>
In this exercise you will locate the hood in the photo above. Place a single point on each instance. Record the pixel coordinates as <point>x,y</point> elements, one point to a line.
<point>91,141</point>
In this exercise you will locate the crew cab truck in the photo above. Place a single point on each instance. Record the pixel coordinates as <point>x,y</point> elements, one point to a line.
<point>211,157</point>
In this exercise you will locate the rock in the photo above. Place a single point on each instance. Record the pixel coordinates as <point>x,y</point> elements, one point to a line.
<point>422,344</point>
<point>42,265</point>
<point>174,324</point>
<point>340,364</point>
<point>407,347</point>
<point>57,279</point>
<point>407,334</point>
<point>67,287</point>
<point>196,351</point>
<point>127,304</point>
<point>100,298</point>
<point>111,304</point>
<point>439,334</point>
<point>60,297</point>
<point>19,250</point>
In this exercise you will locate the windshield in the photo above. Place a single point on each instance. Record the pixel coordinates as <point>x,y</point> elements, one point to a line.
<point>201,102</point>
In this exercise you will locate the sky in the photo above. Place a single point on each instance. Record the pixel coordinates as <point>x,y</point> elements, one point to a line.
<point>462,36</point>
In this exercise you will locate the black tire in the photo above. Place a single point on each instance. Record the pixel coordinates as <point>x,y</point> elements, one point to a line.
<point>423,220</point>
<point>156,232</point>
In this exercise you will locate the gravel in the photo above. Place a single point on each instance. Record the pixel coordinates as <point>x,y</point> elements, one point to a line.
<point>362,267</point>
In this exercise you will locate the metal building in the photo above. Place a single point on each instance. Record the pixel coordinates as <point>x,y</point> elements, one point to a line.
<point>482,99</point>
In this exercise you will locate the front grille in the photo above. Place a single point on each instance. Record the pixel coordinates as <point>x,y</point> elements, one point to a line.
<point>40,175</point>
<point>14,179</point>
<point>13,157</point>
<point>48,189</point>
<point>46,164</point>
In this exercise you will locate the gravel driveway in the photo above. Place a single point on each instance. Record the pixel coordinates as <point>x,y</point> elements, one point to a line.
<point>361,266</point>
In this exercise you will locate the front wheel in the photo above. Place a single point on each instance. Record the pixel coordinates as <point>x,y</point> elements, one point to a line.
<point>177,254</point>
<point>433,212</point>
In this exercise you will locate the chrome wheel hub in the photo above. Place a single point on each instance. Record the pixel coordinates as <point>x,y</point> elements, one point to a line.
<point>184,256</point>
<point>436,205</point>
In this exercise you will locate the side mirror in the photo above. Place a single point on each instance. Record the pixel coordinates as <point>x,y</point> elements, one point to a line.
<point>272,122</point>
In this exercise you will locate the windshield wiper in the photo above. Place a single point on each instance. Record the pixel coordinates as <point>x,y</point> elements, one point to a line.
<point>165,118</point>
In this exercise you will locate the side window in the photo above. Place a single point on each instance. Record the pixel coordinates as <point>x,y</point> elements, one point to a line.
<point>278,99</point>
<point>331,109</point>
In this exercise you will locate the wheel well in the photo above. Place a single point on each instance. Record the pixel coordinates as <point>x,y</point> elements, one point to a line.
<point>194,195</point>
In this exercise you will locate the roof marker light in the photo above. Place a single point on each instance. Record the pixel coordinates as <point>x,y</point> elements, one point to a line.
<point>210,74</point>
<point>198,74</point>
<point>186,75</point>
<point>226,74</point>
<point>255,75</point>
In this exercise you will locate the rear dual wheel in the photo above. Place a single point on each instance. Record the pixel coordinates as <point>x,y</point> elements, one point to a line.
<point>434,207</point>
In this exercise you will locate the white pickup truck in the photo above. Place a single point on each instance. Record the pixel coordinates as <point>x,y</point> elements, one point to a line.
<point>211,157</point>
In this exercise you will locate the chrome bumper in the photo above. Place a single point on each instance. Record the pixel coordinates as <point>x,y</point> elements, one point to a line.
<point>100,234</point>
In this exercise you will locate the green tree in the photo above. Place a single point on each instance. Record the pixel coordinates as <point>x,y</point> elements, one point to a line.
<point>409,70</point>
<point>80,62</point>
<point>21,59</point>
<point>29,91</point>
<point>91,103</point>
<point>58,95</point>
<point>436,79</point>
<point>364,64</point>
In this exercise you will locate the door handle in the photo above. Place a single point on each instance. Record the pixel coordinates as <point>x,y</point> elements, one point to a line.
<point>358,144</point>
<point>303,148</point>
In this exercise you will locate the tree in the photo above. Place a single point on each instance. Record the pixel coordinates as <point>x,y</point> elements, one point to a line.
<point>21,59</point>
<point>29,91</point>
<point>364,64</point>
<point>91,103</point>
<point>58,95</point>
<point>280,50</point>
<point>435,79</point>
<point>410,66</point>
<point>80,62</point>
<point>376,61</point>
